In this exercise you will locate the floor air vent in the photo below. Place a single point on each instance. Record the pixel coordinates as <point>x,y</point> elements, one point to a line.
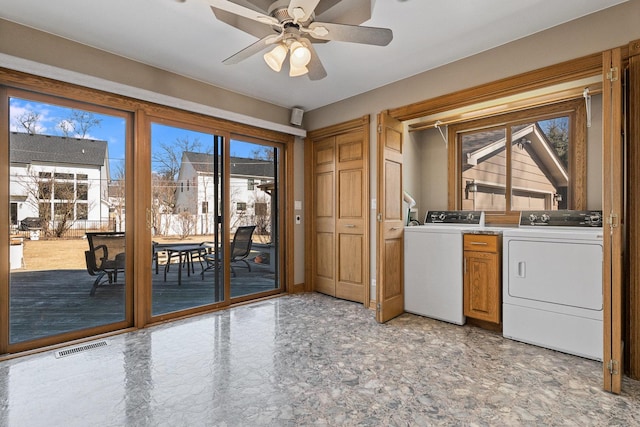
<point>80,349</point>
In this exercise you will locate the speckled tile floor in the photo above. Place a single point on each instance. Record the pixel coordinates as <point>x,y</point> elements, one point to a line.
<point>310,360</point>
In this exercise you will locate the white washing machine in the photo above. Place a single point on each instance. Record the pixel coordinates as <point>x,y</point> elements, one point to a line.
<point>433,261</point>
<point>552,281</point>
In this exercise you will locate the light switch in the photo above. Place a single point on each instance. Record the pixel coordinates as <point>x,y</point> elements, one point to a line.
<point>297,205</point>
<point>374,204</point>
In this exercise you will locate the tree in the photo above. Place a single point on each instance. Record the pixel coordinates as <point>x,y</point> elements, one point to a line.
<point>557,132</point>
<point>78,124</point>
<point>55,199</point>
<point>29,121</point>
<point>117,196</point>
<point>264,153</point>
<point>167,159</point>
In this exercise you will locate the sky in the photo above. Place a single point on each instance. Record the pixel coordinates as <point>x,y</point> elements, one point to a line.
<point>110,129</point>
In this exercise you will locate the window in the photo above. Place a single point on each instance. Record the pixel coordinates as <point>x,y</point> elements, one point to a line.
<point>82,191</point>
<point>261,209</point>
<point>205,207</point>
<point>44,190</point>
<point>82,211</point>
<point>62,211</point>
<point>64,191</point>
<point>251,184</point>
<point>241,206</point>
<point>528,160</point>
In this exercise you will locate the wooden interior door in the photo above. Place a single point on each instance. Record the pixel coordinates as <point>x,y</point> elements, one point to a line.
<point>613,174</point>
<point>351,214</point>
<point>324,229</point>
<point>338,192</point>
<point>390,230</point>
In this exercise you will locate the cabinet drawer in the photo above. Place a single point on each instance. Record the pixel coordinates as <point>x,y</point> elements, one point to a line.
<point>481,242</point>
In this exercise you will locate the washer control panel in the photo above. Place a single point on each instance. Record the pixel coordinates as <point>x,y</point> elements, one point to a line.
<point>455,217</point>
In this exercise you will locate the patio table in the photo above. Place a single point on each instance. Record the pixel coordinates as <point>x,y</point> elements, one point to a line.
<point>185,254</point>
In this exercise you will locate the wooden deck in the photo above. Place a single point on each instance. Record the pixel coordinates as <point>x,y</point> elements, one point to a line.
<point>45,303</point>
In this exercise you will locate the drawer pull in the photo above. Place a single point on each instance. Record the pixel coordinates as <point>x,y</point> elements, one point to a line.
<point>350,226</point>
<point>479,243</point>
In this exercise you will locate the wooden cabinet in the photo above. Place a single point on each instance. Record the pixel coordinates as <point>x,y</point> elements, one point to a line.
<point>482,277</point>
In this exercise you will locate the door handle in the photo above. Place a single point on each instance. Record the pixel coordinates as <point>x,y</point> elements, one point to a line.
<point>522,269</point>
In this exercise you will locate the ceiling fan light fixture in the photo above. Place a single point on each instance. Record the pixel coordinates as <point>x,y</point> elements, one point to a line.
<point>275,57</point>
<point>295,71</point>
<point>300,55</point>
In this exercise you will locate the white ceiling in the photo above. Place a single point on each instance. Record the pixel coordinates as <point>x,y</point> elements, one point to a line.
<point>186,38</point>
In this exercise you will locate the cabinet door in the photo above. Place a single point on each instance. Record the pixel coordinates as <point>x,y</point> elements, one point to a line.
<point>481,286</point>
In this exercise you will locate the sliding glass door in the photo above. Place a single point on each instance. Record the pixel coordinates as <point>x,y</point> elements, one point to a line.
<point>66,185</point>
<point>119,214</point>
<point>254,193</point>
<point>186,221</point>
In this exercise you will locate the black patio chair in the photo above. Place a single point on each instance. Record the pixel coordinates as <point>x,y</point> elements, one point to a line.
<point>240,250</point>
<point>105,257</point>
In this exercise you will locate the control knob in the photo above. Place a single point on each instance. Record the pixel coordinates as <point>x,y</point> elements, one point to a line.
<point>442,216</point>
<point>545,217</point>
<point>533,218</point>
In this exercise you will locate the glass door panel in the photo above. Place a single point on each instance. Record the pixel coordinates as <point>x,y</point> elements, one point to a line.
<point>67,176</point>
<point>186,221</point>
<point>254,218</point>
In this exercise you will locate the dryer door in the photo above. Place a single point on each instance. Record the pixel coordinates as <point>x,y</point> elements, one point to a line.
<point>556,272</point>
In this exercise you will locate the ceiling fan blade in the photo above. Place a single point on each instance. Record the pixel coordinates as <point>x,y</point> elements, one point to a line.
<point>350,33</point>
<point>261,6</point>
<point>226,6</point>
<point>315,67</point>
<point>251,49</point>
<point>249,26</point>
<point>301,10</point>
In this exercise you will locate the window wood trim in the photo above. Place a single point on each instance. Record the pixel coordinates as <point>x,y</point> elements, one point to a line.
<point>576,69</point>
<point>576,111</point>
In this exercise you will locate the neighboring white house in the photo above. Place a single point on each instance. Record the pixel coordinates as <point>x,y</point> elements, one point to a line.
<point>49,171</point>
<point>250,200</point>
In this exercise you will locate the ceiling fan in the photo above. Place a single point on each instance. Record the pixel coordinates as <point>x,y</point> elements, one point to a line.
<point>290,26</point>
